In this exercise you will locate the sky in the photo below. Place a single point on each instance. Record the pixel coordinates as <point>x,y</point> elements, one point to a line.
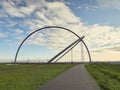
<point>97,20</point>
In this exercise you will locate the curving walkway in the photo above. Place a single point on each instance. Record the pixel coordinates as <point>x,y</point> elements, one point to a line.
<point>76,78</point>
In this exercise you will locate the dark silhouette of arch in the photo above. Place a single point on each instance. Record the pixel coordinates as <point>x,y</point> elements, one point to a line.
<point>48,28</point>
<point>72,45</point>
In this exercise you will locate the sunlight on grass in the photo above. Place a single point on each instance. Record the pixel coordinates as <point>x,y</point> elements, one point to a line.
<point>106,75</point>
<point>28,76</point>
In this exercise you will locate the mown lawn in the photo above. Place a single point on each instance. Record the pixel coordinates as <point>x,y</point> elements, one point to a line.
<point>106,75</point>
<point>28,76</point>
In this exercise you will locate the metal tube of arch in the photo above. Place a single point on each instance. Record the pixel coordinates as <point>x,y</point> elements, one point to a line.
<point>46,28</point>
<point>68,50</point>
<point>64,50</point>
<point>87,51</point>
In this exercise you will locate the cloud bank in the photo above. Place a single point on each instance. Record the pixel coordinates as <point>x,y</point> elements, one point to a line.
<point>34,14</point>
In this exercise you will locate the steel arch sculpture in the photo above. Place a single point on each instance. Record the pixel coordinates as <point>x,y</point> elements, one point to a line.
<point>47,27</point>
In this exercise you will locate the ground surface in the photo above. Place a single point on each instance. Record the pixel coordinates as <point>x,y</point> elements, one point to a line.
<point>76,78</point>
<point>106,75</point>
<point>28,76</point>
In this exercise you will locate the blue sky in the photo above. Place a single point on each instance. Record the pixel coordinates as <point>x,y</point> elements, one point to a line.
<point>98,20</point>
<point>91,12</point>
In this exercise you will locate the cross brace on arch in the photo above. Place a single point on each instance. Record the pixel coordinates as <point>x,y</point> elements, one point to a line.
<point>70,46</point>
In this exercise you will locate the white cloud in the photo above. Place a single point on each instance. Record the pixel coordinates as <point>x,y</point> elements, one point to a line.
<point>79,7</point>
<point>39,13</point>
<point>102,36</point>
<point>2,14</point>
<point>36,39</point>
<point>88,7</point>
<point>10,23</point>
<point>18,31</point>
<point>54,0</point>
<point>68,3</point>
<point>57,13</point>
<point>2,35</point>
<point>56,39</point>
<point>28,9</point>
<point>54,13</point>
<point>10,9</point>
<point>109,4</point>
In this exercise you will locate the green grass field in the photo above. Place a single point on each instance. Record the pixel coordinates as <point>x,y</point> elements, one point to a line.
<point>28,76</point>
<point>106,75</point>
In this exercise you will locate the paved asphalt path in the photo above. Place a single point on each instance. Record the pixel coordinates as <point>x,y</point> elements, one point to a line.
<point>76,78</point>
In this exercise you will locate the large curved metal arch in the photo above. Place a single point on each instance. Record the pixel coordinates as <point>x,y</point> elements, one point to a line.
<point>46,28</point>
